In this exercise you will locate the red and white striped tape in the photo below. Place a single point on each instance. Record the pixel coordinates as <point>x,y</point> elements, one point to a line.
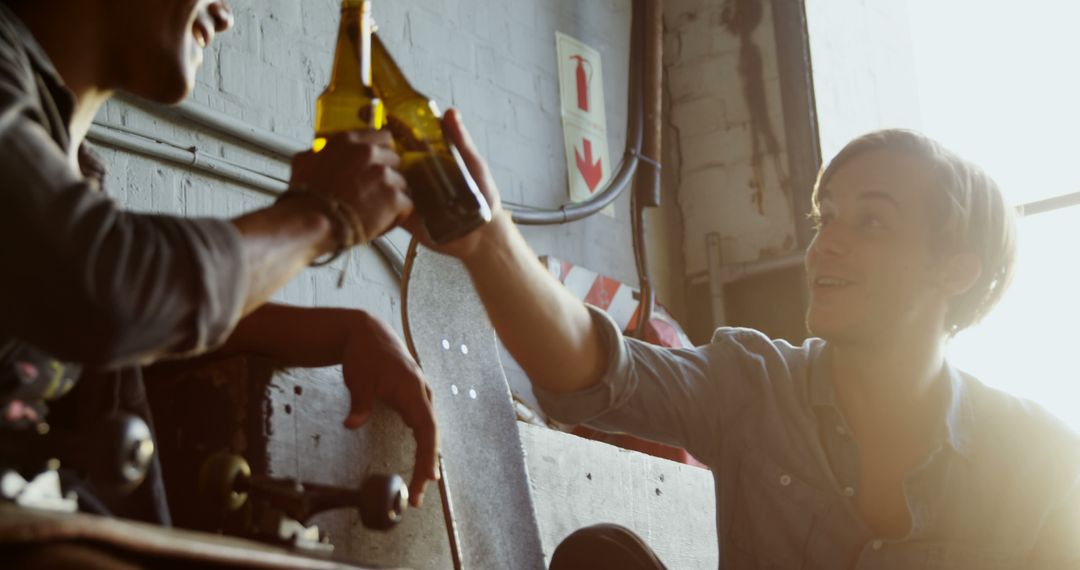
<point>620,300</point>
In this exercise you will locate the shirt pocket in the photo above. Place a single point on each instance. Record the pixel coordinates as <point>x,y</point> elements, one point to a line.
<point>774,514</point>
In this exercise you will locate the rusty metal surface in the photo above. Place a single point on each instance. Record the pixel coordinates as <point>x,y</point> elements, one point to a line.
<point>483,458</point>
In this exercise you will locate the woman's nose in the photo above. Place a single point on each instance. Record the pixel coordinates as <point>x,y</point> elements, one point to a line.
<point>831,239</point>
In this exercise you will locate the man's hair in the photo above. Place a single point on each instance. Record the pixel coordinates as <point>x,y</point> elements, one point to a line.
<point>972,215</point>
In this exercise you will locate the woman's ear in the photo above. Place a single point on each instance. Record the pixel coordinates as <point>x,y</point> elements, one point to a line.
<point>960,273</point>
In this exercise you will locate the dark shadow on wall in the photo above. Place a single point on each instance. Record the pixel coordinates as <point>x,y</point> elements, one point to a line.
<point>741,18</point>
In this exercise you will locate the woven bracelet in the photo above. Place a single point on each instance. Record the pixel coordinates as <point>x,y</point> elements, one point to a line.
<point>347,228</point>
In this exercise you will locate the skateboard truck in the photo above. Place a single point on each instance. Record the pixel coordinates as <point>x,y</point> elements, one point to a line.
<point>283,506</point>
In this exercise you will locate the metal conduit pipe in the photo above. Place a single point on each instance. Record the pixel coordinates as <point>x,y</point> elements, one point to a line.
<point>188,156</point>
<point>624,175</point>
<point>261,138</point>
<point>647,180</point>
<point>285,148</point>
<point>133,141</point>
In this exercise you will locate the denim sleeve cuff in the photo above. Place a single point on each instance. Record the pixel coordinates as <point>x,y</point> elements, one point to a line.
<point>583,405</point>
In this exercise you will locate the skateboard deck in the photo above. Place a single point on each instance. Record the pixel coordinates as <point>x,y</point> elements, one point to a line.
<point>485,481</point>
<point>152,542</point>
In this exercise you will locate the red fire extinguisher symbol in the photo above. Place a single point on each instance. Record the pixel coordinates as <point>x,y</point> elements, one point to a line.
<point>583,82</point>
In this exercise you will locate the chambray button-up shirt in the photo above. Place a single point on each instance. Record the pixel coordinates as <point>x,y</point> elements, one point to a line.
<point>1000,490</point>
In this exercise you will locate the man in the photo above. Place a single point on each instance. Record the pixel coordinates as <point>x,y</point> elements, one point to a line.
<point>862,448</point>
<point>108,290</point>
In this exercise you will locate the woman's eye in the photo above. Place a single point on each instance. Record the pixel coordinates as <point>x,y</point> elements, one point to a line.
<point>873,222</point>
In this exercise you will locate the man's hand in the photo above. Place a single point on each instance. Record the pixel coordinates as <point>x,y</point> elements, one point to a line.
<point>377,366</point>
<point>358,168</point>
<point>375,362</point>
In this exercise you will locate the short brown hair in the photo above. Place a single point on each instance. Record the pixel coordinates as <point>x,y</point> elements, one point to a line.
<point>974,215</point>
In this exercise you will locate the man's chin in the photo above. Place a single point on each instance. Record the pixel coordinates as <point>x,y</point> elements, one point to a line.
<point>170,85</point>
<point>165,91</point>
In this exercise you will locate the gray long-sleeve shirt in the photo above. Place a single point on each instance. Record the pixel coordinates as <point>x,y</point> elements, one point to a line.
<point>82,278</point>
<point>1001,489</point>
<point>88,282</point>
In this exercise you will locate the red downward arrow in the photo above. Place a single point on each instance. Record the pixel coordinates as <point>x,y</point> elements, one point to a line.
<point>589,171</point>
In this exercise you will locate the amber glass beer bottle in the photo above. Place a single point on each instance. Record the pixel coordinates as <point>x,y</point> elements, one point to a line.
<point>445,194</point>
<point>349,102</point>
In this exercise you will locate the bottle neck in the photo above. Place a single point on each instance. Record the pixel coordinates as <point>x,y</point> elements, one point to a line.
<point>352,58</point>
<point>389,79</point>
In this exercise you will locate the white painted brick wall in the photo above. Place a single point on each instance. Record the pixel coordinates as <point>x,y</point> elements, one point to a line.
<point>710,122</point>
<point>494,59</point>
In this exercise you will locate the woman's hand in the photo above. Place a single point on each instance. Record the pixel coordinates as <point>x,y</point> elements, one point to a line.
<point>464,247</point>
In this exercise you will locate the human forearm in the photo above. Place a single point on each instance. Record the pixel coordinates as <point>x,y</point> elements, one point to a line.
<point>548,331</point>
<point>340,197</point>
<point>277,243</point>
<point>297,336</point>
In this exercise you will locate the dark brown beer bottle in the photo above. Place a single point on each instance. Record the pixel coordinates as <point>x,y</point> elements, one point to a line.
<point>349,102</point>
<point>446,196</point>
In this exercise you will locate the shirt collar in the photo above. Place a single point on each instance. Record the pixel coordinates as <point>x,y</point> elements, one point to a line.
<point>38,58</point>
<point>42,65</point>
<point>959,413</point>
<point>959,418</point>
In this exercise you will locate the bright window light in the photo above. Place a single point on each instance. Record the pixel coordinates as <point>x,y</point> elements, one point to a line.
<point>999,83</point>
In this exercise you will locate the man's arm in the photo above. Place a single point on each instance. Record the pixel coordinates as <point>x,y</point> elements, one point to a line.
<point>90,282</point>
<point>356,169</point>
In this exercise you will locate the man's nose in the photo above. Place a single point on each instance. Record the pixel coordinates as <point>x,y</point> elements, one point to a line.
<point>222,14</point>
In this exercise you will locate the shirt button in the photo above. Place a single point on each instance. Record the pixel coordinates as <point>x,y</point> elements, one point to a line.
<point>785,480</point>
<point>876,545</point>
<point>849,491</point>
<point>840,430</point>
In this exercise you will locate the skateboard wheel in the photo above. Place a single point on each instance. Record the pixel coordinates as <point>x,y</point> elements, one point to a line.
<point>220,479</point>
<point>383,499</point>
<point>124,442</point>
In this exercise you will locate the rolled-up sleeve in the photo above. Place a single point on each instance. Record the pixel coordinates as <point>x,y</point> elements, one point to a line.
<point>683,397</point>
<point>664,395</point>
<point>88,281</point>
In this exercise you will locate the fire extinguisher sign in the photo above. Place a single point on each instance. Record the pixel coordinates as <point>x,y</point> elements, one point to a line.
<point>581,94</point>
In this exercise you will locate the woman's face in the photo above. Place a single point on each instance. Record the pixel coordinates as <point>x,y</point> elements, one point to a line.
<point>874,267</point>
